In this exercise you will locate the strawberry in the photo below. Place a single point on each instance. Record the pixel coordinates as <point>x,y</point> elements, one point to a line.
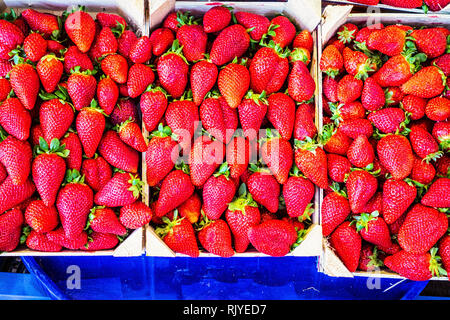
<point>135,215</point>
<point>230,116</point>
<point>203,77</point>
<point>361,153</point>
<point>80,28</point>
<point>356,127</point>
<point>298,193</point>
<point>161,39</point>
<point>329,88</point>
<point>122,189</point>
<point>141,50</point>
<point>191,37</point>
<point>25,82</point>
<point>268,69</point>
<point>5,68</point>
<point>422,228</point>
<point>331,61</point>
<point>347,243</point>
<point>191,208</point>
<point>105,43</point>
<point>5,89</point>
<point>303,39</point>
<point>422,171</point>
<point>125,109</point>
<point>44,23</point>
<point>107,94</point>
<point>216,19</point>
<point>213,120</point>
<point>438,109</point>
<point>334,211</point>
<point>389,40</point>
<point>233,82</point>
<point>436,5</point>
<point>403,3</point>
<point>116,67</point>
<point>130,133</point>
<point>398,69</point>
<point>443,62</point>
<point>426,83</point>
<point>49,169</point>
<point>140,76</point>
<point>258,24</point>
<point>56,117</point>
<point>281,31</point>
<point>205,157</point>
<point>41,218</point>
<point>15,119</point>
<point>388,120</point>
<point>361,186</point>
<point>238,155</point>
<point>11,35</point>
<point>100,241</point>
<point>424,144</point>
<point>398,195</point>
<point>215,237</point>
<point>338,167</point>
<point>416,267</point>
<point>358,64</point>
<point>58,236</point>
<point>182,116</point>
<point>39,242</point>
<point>14,194</point>
<point>443,166</point>
<point>97,172</point>
<point>74,201</point>
<point>179,235</point>
<point>110,20</point>
<point>171,21</point>
<point>218,191</point>
<point>396,155</point>
<point>430,41</point>
<point>50,69</point>
<point>283,116</point>
<point>277,154</point>
<point>153,104</point>
<point>175,189</point>
<point>444,252</point>
<point>242,214</point>
<point>34,46</point>
<point>301,85</point>
<point>441,132</point>
<point>349,89</point>
<point>75,58</point>
<point>252,111</point>
<point>273,237</point>
<point>81,87</point>
<point>372,95</point>
<point>415,106</point>
<point>370,259</point>
<point>437,195</point>
<point>334,140</point>
<point>311,159</point>
<point>90,124</point>
<point>264,189</point>
<point>232,42</point>
<point>347,33</point>
<point>117,153</point>
<point>105,220</point>
<point>373,229</point>
<point>16,156</point>
<point>172,69</point>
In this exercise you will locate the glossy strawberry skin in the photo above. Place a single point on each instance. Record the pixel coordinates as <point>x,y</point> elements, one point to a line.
<point>233,41</point>
<point>410,265</point>
<point>10,231</point>
<point>159,157</point>
<point>297,192</point>
<point>216,238</point>
<point>335,209</point>
<point>240,221</point>
<point>361,186</point>
<point>117,153</point>
<point>347,243</point>
<point>97,172</point>
<point>265,190</point>
<point>16,156</point>
<point>135,215</point>
<point>173,74</point>
<point>116,192</point>
<point>217,193</point>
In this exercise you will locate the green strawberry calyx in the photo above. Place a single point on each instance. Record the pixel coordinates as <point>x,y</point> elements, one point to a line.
<point>203,223</point>
<point>435,264</point>
<point>374,260</point>
<point>243,201</point>
<point>163,132</point>
<point>92,215</point>
<point>295,172</point>
<point>25,233</point>
<point>346,36</point>
<point>307,144</point>
<point>186,19</point>
<point>73,176</point>
<point>169,224</point>
<point>176,49</point>
<point>152,88</point>
<point>328,131</point>
<point>136,185</point>
<point>61,94</point>
<point>257,98</point>
<point>224,170</point>
<point>270,135</point>
<point>55,147</point>
<point>307,213</point>
<point>337,189</point>
<point>270,33</point>
<point>362,221</point>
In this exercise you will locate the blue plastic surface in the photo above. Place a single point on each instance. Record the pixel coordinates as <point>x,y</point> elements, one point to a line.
<point>287,278</point>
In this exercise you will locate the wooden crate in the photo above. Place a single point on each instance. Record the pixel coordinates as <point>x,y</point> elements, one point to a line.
<point>135,13</point>
<point>333,18</point>
<point>306,15</point>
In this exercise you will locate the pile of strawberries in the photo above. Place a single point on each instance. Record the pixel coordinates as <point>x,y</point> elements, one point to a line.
<point>71,137</point>
<point>432,5</point>
<point>229,114</point>
<point>386,134</point>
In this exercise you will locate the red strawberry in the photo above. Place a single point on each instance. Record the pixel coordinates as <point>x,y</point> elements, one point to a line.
<point>110,20</point>
<point>443,62</point>
<point>25,82</point>
<point>75,58</point>
<point>347,33</point>
<point>436,5</point>
<point>430,41</point>
<point>100,241</point>
<point>426,83</point>
<point>172,69</point>
<point>303,39</point>
<point>39,242</point>
<point>282,115</point>
<point>215,237</point>
<point>273,237</point>
<point>176,188</point>
<point>90,124</point>
<point>298,193</point>
<point>74,202</point>
<point>105,43</point>
<point>361,153</point>
<point>441,132</point>
<point>238,155</point>
<point>16,156</point>
<point>50,70</point>
<point>347,243</point>
<point>5,68</point>
<point>358,64</point>
<point>396,155</point>
<point>388,120</point>
<point>15,119</point>
<point>277,154</point>
<point>371,258</point>
<point>117,153</point>
<point>403,3</point>
<point>349,89</point>
<point>135,215</point>
<point>252,111</point>
<point>213,120</point>
<point>205,157</point>
<point>389,40</point>
<point>56,116</point>
<point>81,87</point>
<point>14,194</point>
<point>171,21</point>
<point>161,39</point>
<point>11,35</point>
<point>335,209</point>
<point>153,104</point>
<point>141,50</point>
<point>331,61</point>
<point>34,46</point>
<point>191,37</point>
<point>422,171</point>
<point>80,28</point>
<point>334,140</point>
<point>438,109</point>
<point>284,34</point>
<point>125,109</point>
<point>182,116</point>
<point>258,24</point>
<point>372,95</point>
<point>49,169</point>
<point>361,186</point>
<point>422,228</point>
<point>311,159</point>
<point>216,19</point>
<point>398,195</point>
<point>415,106</point>
<point>130,133</point>
<point>356,127</point>
<point>191,208</point>
<point>264,189</point>
<point>97,172</point>
<point>58,236</point>
<point>424,144</point>
<point>122,189</point>
<point>373,229</point>
<point>140,76</point>
<point>338,167</point>
<point>233,82</point>
<point>44,23</point>
<point>437,195</point>
<point>232,42</point>
<point>301,85</point>
<point>107,94</point>
<point>179,235</point>
<point>5,89</point>
<point>444,252</point>
<point>116,67</point>
<point>105,220</point>
<point>203,77</point>
<point>41,218</point>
